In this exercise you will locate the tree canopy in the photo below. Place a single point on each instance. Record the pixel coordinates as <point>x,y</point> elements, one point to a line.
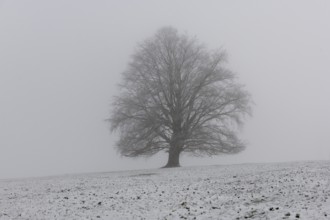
<point>177,96</point>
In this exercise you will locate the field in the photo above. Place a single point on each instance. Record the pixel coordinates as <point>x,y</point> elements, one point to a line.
<point>297,190</point>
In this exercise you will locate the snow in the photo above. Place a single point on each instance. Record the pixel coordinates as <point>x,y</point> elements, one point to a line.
<point>297,190</point>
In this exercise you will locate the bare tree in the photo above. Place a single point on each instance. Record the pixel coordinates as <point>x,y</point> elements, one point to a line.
<point>177,96</point>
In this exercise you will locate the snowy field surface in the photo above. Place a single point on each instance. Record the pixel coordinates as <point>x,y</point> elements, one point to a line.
<point>298,190</point>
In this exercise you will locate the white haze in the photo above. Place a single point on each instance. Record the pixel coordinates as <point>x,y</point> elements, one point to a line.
<point>60,62</point>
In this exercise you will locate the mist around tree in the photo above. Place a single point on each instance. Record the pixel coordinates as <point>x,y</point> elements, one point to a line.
<point>179,97</point>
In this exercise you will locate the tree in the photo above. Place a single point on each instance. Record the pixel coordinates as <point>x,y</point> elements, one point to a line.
<point>177,96</point>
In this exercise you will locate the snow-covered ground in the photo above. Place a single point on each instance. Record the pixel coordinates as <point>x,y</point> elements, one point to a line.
<point>299,190</point>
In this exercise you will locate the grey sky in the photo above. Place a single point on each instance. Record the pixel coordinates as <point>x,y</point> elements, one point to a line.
<point>60,62</point>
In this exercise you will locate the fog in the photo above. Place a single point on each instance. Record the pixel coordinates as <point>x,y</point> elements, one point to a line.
<point>60,62</point>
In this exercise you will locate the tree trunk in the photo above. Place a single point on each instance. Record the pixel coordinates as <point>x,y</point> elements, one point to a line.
<point>173,158</point>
